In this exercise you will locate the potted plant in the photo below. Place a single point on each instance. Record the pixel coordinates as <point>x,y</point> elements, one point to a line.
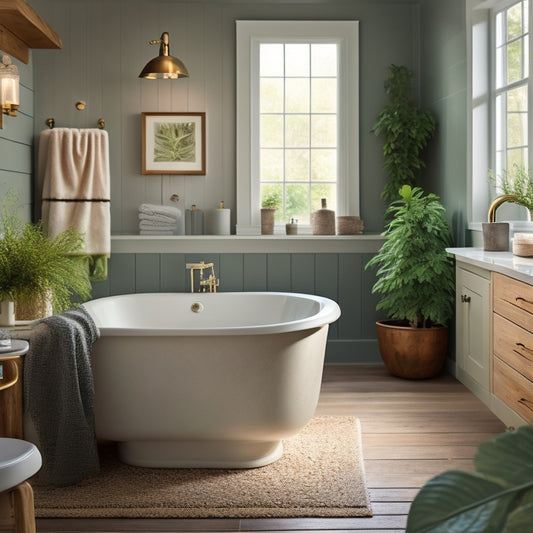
<point>498,496</point>
<point>36,269</point>
<point>269,203</point>
<point>406,130</point>
<point>516,186</point>
<point>417,286</point>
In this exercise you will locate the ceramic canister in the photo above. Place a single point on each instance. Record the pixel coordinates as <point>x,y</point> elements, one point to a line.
<point>194,221</point>
<point>217,221</point>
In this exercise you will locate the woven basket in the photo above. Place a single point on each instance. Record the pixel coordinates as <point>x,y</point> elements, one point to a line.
<point>349,225</point>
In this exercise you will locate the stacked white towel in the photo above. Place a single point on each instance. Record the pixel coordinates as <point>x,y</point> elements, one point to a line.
<point>158,219</point>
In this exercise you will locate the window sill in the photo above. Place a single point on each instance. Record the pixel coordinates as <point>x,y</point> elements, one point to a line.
<point>230,244</point>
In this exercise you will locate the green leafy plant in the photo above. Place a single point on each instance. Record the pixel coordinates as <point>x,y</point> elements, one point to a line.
<point>497,497</point>
<point>415,273</point>
<point>515,182</point>
<point>34,266</point>
<point>175,142</point>
<point>271,200</point>
<point>406,130</point>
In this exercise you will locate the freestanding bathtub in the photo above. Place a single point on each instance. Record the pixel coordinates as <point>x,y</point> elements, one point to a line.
<point>207,380</point>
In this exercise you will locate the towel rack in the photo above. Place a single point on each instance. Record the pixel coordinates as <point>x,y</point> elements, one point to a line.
<point>50,122</point>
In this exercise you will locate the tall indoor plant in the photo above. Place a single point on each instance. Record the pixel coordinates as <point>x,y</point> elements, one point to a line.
<point>35,269</point>
<point>417,286</point>
<point>406,130</point>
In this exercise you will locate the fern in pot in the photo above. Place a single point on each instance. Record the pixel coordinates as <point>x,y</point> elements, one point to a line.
<point>40,274</point>
<point>417,286</point>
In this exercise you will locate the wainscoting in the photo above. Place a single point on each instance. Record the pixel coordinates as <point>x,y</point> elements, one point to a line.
<point>339,276</point>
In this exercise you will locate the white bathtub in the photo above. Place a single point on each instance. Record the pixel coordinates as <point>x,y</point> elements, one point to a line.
<point>207,380</point>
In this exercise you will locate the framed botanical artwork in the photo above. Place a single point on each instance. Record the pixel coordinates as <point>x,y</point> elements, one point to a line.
<point>173,143</point>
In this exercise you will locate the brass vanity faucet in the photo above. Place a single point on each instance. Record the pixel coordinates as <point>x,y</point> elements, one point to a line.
<point>210,282</point>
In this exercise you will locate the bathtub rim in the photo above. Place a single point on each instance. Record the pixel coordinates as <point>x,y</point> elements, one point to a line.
<point>329,311</point>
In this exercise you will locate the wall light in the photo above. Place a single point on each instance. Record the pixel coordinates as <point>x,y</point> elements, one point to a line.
<point>9,88</point>
<point>164,65</point>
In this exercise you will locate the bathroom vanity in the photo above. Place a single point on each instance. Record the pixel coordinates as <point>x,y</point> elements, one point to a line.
<point>494,330</point>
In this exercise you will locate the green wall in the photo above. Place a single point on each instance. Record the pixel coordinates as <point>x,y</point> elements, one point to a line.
<point>16,145</point>
<point>443,67</point>
<point>105,45</point>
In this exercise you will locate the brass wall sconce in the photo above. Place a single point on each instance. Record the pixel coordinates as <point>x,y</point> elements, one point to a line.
<point>9,88</point>
<point>164,65</point>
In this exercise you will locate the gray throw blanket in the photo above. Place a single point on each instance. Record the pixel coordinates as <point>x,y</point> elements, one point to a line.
<point>59,394</point>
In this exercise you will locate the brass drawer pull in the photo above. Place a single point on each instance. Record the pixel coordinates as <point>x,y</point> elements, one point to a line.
<point>523,348</point>
<point>525,304</point>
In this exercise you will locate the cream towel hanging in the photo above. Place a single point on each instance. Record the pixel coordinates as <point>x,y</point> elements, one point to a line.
<point>73,167</point>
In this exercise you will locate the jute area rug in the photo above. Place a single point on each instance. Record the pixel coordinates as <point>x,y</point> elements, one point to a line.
<point>320,474</point>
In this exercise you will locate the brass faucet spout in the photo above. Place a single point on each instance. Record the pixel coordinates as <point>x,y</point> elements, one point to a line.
<point>499,201</point>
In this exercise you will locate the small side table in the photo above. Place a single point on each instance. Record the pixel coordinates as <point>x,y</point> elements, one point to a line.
<point>11,424</point>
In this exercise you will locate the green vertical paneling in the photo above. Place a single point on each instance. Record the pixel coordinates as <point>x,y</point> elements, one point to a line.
<point>349,289</point>
<point>147,276</point>
<point>326,281</point>
<point>122,274</point>
<point>255,272</point>
<point>100,289</point>
<point>303,273</point>
<point>369,301</point>
<point>231,273</point>
<point>279,272</point>
<point>173,274</point>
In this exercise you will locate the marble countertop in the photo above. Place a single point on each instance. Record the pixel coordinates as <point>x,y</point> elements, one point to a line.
<point>520,268</point>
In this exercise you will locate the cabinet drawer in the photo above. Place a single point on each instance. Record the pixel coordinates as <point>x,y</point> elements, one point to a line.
<point>514,300</point>
<point>513,389</point>
<point>513,345</point>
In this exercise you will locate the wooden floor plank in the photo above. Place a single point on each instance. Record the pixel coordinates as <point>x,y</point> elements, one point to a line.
<point>411,431</point>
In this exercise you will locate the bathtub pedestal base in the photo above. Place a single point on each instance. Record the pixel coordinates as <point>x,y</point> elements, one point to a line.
<point>200,453</point>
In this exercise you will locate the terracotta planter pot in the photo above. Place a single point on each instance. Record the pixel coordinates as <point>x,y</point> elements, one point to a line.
<point>267,220</point>
<point>412,353</point>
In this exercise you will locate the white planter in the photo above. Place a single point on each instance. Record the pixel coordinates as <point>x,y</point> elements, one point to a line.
<point>7,314</point>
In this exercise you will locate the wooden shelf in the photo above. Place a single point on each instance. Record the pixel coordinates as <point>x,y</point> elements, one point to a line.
<point>23,28</point>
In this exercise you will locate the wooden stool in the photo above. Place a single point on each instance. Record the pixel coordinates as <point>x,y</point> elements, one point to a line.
<point>19,460</point>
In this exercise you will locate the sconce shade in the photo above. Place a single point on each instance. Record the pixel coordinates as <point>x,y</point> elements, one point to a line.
<point>9,88</point>
<point>164,65</point>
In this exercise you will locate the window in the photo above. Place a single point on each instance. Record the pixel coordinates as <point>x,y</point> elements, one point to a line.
<point>510,90</point>
<point>499,123</point>
<point>297,120</point>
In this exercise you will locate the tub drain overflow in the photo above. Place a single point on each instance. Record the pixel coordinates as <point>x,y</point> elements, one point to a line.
<point>197,307</point>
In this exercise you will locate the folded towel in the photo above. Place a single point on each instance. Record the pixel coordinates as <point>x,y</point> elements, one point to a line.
<point>156,232</point>
<point>146,224</point>
<point>158,218</point>
<point>73,168</point>
<point>59,394</point>
<point>153,209</point>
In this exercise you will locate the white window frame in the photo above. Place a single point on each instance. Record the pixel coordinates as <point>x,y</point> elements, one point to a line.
<point>481,112</point>
<point>250,34</point>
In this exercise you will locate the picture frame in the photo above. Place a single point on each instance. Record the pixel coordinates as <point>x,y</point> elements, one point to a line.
<point>173,143</point>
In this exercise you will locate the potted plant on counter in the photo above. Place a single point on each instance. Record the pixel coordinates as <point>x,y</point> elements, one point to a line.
<point>417,286</point>
<point>38,272</point>
<point>269,203</point>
